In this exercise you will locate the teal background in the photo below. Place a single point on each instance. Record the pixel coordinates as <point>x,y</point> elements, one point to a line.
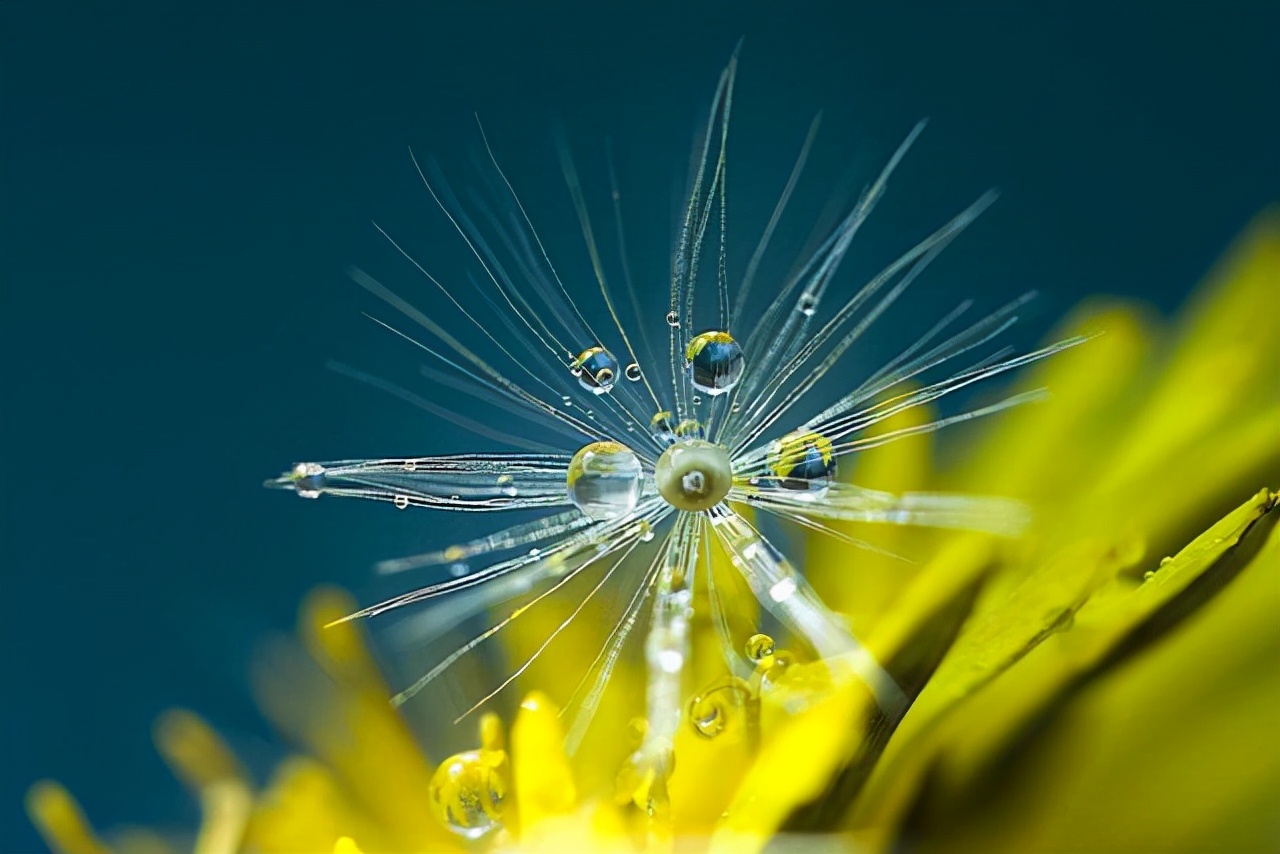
<point>182,186</point>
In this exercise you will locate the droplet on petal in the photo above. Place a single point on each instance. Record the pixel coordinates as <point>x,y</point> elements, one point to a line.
<point>467,792</point>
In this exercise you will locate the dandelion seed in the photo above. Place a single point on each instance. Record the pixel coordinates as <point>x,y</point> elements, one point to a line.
<point>671,455</point>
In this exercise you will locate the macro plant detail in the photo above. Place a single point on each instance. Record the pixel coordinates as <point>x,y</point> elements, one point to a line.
<point>666,456</point>
<point>1063,638</point>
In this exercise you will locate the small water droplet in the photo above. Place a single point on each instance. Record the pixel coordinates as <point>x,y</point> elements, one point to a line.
<point>718,706</point>
<point>759,647</point>
<point>696,400</point>
<point>467,792</point>
<point>646,531</point>
<point>1148,575</point>
<point>806,304</point>
<point>409,465</point>
<point>1164,561</point>
<point>400,501</point>
<point>632,372</point>
<point>457,570</point>
<point>673,319</point>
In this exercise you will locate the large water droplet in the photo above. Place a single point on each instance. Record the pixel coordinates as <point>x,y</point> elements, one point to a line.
<point>715,362</point>
<point>597,370</point>
<point>604,480</point>
<point>467,792</point>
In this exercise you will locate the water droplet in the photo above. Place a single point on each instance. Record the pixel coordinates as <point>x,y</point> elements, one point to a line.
<point>457,570</point>
<point>409,465</point>
<point>400,501</point>
<point>1148,575</point>
<point>673,319</point>
<point>696,400</point>
<point>803,461</point>
<point>807,304</point>
<point>718,706</point>
<point>646,531</point>
<point>597,370</point>
<point>759,647</point>
<point>308,479</point>
<point>1164,561</point>
<point>604,480</point>
<point>661,429</point>
<point>643,781</point>
<point>715,361</point>
<point>690,429</point>
<point>467,792</point>
<point>736,408</point>
<point>632,372</point>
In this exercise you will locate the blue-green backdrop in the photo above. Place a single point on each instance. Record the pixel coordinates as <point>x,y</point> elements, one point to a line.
<point>183,184</point>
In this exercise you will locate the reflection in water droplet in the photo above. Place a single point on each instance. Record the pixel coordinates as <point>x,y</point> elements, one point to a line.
<point>661,429</point>
<point>759,647</point>
<point>632,372</point>
<point>596,370</point>
<point>715,362</point>
<point>400,501</point>
<point>717,707</point>
<point>604,480</point>
<point>467,792</point>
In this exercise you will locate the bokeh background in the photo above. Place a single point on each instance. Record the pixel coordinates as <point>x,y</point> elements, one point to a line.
<point>183,185</point>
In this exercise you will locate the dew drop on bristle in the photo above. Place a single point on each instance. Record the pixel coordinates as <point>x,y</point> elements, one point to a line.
<point>308,479</point>
<point>632,372</point>
<point>401,502</point>
<point>690,429</point>
<point>604,480</point>
<point>696,400</point>
<point>661,428</point>
<point>803,461</point>
<point>467,792</point>
<point>759,647</point>
<point>715,362</point>
<point>673,319</point>
<point>807,304</point>
<point>596,370</point>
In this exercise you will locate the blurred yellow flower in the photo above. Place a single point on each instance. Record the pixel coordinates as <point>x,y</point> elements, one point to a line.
<point>1111,682</point>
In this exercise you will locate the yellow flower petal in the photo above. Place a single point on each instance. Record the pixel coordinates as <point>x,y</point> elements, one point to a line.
<point>1174,749</point>
<point>60,820</point>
